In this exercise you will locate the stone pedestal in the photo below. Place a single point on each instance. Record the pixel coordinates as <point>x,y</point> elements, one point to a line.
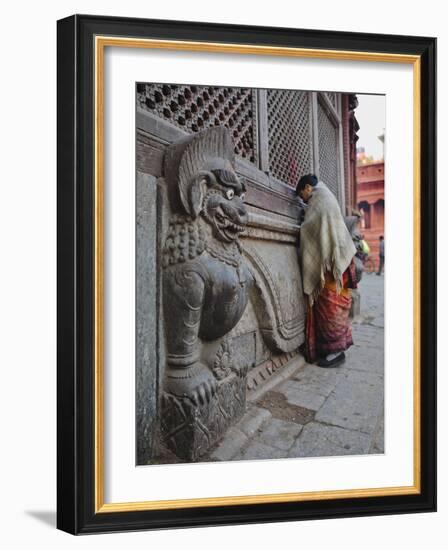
<point>189,429</point>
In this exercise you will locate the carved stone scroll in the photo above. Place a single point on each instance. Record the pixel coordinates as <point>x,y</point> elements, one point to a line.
<point>270,248</point>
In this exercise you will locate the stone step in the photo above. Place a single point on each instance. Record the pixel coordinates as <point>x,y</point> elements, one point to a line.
<point>289,369</point>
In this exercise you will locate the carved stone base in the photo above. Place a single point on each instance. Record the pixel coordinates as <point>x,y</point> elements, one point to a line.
<point>189,429</point>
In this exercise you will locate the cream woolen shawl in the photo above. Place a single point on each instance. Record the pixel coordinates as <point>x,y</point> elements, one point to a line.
<point>325,243</point>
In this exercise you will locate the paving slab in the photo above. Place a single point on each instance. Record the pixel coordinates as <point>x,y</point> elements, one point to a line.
<point>378,322</point>
<point>253,420</point>
<point>303,398</point>
<point>277,404</point>
<point>355,402</point>
<point>232,444</point>
<point>279,433</point>
<point>367,336</point>
<point>365,358</point>
<point>321,440</point>
<point>377,444</point>
<point>257,450</point>
<point>315,380</point>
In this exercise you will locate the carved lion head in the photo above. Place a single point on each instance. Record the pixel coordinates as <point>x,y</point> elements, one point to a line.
<point>223,206</point>
<point>201,177</point>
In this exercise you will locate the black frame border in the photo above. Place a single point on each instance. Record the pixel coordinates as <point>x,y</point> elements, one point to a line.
<point>76,262</point>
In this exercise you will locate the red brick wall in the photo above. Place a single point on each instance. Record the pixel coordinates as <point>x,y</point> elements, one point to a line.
<point>370,191</point>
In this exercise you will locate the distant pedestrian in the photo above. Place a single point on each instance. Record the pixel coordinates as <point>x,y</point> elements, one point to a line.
<point>381,266</point>
<point>365,248</point>
<point>328,273</point>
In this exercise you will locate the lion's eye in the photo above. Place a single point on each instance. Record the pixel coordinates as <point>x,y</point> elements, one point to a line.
<point>230,194</point>
<point>242,196</point>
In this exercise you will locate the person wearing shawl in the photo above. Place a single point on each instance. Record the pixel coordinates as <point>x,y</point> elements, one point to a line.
<point>328,273</point>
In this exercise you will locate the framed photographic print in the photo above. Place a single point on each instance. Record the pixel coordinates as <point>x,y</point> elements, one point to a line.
<point>233,345</point>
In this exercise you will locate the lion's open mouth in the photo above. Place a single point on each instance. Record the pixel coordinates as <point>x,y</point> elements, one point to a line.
<point>230,229</point>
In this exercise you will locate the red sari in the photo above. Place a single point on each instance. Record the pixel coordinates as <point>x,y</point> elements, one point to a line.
<point>328,328</point>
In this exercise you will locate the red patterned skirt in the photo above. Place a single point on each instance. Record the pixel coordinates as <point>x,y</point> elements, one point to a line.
<point>328,328</point>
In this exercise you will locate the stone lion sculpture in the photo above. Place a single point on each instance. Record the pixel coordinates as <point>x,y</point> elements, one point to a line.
<point>205,290</point>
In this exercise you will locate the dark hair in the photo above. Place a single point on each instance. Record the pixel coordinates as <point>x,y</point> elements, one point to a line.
<point>381,238</point>
<point>309,179</point>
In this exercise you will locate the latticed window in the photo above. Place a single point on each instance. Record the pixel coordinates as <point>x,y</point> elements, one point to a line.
<point>289,135</point>
<point>194,108</point>
<point>332,96</point>
<point>286,133</point>
<point>328,139</point>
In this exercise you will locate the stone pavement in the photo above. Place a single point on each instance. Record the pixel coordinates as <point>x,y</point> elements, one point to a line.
<point>321,412</point>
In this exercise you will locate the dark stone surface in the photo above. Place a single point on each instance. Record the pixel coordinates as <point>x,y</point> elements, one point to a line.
<point>146,322</point>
